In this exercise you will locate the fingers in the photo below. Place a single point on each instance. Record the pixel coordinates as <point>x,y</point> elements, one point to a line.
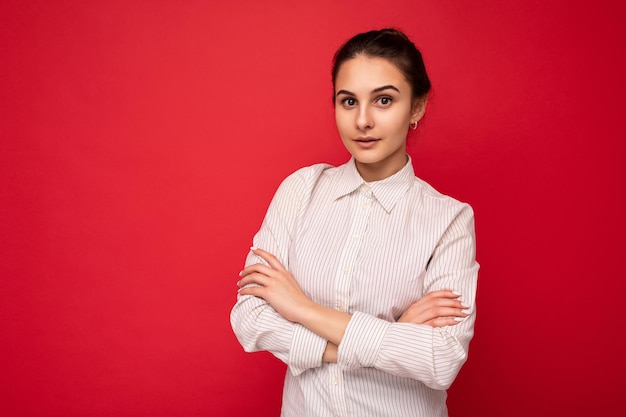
<point>437,308</point>
<point>442,294</point>
<point>254,283</point>
<point>444,321</point>
<point>444,312</point>
<point>253,278</point>
<point>268,257</point>
<point>436,300</point>
<point>256,268</point>
<point>256,290</point>
<point>259,273</point>
<point>423,317</point>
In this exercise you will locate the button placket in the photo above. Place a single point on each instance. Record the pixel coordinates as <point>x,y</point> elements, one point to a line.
<point>360,215</point>
<point>360,212</point>
<point>338,399</point>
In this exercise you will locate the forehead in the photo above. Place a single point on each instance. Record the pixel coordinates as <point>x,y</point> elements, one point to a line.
<point>363,74</point>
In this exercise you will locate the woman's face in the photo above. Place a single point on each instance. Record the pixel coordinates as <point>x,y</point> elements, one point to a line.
<point>373,110</point>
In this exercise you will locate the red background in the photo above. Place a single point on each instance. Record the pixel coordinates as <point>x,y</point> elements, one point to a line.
<point>141,142</point>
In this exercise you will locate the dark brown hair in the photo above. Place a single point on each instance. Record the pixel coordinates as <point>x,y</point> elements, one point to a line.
<point>392,45</point>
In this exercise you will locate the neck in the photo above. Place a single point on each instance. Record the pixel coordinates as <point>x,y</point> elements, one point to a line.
<point>380,170</point>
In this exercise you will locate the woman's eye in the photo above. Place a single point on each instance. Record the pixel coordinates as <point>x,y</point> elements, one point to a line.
<point>384,101</point>
<point>349,102</point>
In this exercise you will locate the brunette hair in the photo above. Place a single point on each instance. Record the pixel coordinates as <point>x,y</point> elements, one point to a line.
<point>392,45</point>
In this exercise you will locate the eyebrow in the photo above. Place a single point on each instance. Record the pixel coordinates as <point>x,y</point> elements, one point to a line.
<point>376,90</point>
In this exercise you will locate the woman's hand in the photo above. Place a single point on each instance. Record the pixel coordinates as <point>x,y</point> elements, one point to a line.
<point>275,285</point>
<point>436,309</point>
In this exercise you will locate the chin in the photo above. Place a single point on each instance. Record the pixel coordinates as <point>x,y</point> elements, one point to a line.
<point>368,159</point>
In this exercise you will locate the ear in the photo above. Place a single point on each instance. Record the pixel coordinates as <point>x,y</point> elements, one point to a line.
<point>419,108</point>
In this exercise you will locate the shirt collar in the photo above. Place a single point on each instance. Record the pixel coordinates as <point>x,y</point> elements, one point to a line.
<point>387,191</point>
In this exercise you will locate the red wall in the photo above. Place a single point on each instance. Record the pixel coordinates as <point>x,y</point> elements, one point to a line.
<point>141,142</point>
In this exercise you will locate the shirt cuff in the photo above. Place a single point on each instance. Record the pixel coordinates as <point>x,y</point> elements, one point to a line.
<point>361,341</point>
<point>307,349</point>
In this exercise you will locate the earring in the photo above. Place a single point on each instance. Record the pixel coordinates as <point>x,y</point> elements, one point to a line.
<point>413,125</point>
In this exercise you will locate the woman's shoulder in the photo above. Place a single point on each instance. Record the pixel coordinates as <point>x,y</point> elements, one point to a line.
<point>312,172</point>
<point>437,198</point>
<point>304,179</point>
<point>311,175</point>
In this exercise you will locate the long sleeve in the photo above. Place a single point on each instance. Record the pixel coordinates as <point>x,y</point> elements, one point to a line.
<point>433,356</point>
<point>256,324</point>
<point>370,250</point>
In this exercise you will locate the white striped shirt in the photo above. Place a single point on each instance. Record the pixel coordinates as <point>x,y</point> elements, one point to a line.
<point>371,250</point>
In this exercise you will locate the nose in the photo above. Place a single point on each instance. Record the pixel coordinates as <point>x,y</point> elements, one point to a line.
<point>364,119</point>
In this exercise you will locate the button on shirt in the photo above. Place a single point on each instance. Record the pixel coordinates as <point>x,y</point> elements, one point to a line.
<point>371,250</point>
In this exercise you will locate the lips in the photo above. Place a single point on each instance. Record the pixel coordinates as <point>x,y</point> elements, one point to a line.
<point>366,142</point>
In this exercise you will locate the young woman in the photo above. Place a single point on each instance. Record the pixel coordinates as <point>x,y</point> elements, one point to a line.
<point>362,278</point>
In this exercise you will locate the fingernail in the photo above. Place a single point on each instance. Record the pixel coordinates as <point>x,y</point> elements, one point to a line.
<point>241,274</point>
<point>456,293</point>
<point>459,318</point>
<point>466,312</point>
<point>253,248</point>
